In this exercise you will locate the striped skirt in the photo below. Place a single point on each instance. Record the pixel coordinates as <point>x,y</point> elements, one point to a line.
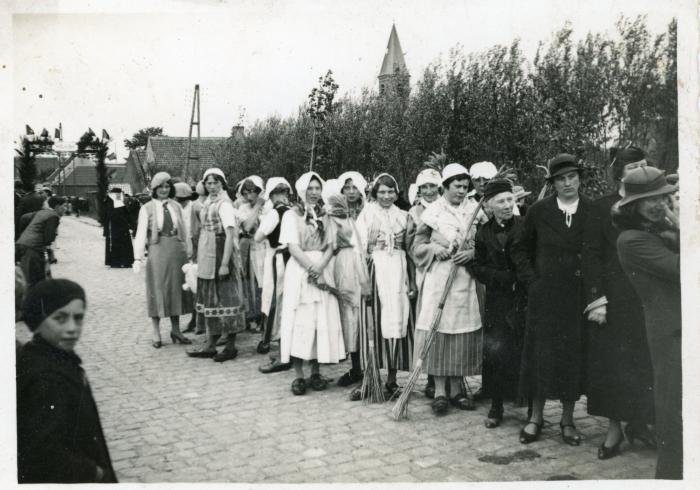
<point>391,353</point>
<point>452,354</point>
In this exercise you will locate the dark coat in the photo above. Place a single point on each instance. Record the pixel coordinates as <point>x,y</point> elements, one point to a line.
<point>653,265</point>
<point>119,251</point>
<point>59,434</point>
<point>553,354</point>
<point>505,304</point>
<point>620,376</point>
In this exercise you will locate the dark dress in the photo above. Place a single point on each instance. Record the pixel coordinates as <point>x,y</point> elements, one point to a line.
<point>550,256</point>
<point>119,251</point>
<point>620,376</point>
<point>59,434</point>
<point>505,303</point>
<point>653,265</point>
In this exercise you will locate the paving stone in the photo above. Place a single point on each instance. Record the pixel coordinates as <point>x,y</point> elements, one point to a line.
<point>170,418</point>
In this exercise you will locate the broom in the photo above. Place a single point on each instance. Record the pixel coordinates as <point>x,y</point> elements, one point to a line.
<point>371,389</point>
<point>400,409</point>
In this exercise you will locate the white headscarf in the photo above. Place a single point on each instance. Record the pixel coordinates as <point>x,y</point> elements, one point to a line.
<point>301,185</point>
<point>357,179</point>
<point>213,171</point>
<point>257,181</point>
<point>452,170</point>
<point>428,176</point>
<point>272,184</point>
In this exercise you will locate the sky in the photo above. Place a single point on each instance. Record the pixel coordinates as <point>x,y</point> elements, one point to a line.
<point>123,70</point>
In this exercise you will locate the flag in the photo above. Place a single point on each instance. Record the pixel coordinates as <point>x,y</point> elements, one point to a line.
<point>56,134</point>
<point>91,132</point>
<point>105,136</point>
<point>112,156</point>
<point>29,130</point>
<point>45,133</point>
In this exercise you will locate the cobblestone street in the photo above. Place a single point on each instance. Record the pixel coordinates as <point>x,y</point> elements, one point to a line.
<point>170,418</point>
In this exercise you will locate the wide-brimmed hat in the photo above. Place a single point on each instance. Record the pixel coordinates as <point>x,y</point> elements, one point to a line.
<point>561,164</point>
<point>644,182</point>
<point>519,192</point>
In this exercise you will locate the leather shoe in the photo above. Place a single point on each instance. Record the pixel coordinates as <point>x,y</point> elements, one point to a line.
<point>201,353</point>
<point>226,355</point>
<point>275,367</point>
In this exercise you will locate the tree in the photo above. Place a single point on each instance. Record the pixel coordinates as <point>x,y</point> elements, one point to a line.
<point>320,106</point>
<point>26,166</point>
<point>140,138</point>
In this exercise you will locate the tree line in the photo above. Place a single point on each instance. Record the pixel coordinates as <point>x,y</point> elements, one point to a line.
<point>583,97</point>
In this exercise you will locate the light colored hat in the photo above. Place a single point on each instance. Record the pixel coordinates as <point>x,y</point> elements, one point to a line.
<point>645,182</point>
<point>452,170</point>
<point>330,187</point>
<point>182,190</point>
<point>274,182</point>
<point>302,184</point>
<point>357,179</point>
<point>486,170</point>
<point>257,181</point>
<point>159,179</point>
<point>214,171</point>
<point>413,192</point>
<point>428,176</point>
<point>519,192</point>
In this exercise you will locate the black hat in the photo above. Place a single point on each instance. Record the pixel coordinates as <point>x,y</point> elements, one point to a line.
<point>48,296</point>
<point>631,154</point>
<point>496,186</point>
<point>561,164</point>
<point>116,190</point>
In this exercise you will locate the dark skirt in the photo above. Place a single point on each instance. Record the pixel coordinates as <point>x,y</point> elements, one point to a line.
<point>391,353</point>
<point>552,364</point>
<point>502,352</point>
<point>251,289</point>
<point>452,354</point>
<point>119,252</point>
<point>620,376</point>
<point>220,307</point>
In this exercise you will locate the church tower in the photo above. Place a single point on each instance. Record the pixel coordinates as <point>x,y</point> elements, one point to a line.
<point>393,73</point>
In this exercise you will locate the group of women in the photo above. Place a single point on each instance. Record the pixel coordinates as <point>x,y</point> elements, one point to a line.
<point>576,297</point>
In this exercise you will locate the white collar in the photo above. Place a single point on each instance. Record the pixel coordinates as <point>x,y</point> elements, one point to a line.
<point>569,210</point>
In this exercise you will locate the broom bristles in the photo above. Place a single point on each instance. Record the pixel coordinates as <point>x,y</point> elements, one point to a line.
<point>372,381</point>
<point>400,409</point>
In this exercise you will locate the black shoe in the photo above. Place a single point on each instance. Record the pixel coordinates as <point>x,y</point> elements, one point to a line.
<point>392,389</point>
<point>350,378</point>
<point>429,391</point>
<point>226,355</point>
<point>299,386</point>
<point>318,382</point>
<point>462,402</point>
<point>605,452</point>
<point>202,353</point>
<point>494,418</point>
<point>262,347</point>
<point>275,367</point>
<point>157,344</point>
<point>178,337</point>
<point>570,440</point>
<point>641,433</point>
<point>526,437</point>
<point>440,405</point>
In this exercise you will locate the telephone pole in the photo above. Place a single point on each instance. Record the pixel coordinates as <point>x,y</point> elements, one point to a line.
<point>194,121</point>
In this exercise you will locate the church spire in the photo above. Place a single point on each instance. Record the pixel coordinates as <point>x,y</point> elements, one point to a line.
<point>393,63</point>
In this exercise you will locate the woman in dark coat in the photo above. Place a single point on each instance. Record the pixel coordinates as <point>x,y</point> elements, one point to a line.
<point>504,319</point>
<point>649,252</point>
<point>620,376</point>
<point>553,355</point>
<point>59,434</point>
<point>119,251</point>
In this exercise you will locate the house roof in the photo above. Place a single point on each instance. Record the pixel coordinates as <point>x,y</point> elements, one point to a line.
<point>393,58</point>
<point>171,151</point>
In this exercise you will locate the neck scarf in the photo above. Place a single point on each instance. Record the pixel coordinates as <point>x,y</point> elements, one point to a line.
<point>569,210</point>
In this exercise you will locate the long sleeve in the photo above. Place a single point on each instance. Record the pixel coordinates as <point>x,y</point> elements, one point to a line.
<point>50,229</point>
<point>46,439</point>
<point>484,270</point>
<point>592,262</point>
<point>141,234</point>
<point>639,250</point>
<point>523,250</point>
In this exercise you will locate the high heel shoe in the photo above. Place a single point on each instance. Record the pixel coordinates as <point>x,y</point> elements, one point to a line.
<point>644,435</point>
<point>526,437</point>
<point>178,337</point>
<point>157,344</point>
<point>570,440</point>
<point>605,452</point>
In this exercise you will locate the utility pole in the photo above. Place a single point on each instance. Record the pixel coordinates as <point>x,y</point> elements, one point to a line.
<point>194,121</point>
